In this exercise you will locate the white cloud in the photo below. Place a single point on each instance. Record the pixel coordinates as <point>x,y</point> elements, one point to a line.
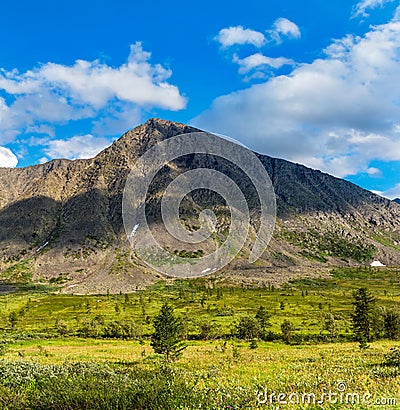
<point>258,60</point>
<point>56,93</point>
<point>337,113</point>
<point>238,35</point>
<point>77,147</point>
<point>43,160</point>
<point>392,193</point>
<point>230,36</point>
<point>285,27</point>
<point>7,158</point>
<point>360,9</point>
<point>374,172</point>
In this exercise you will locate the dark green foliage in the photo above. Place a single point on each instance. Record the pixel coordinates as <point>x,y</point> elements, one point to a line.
<point>13,319</point>
<point>330,324</point>
<point>61,327</point>
<point>392,358</point>
<point>248,328</point>
<point>287,329</point>
<point>166,338</point>
<point>189,254</point>
<point>207,330</point>
<point>91,327</point>
<point>263,318</point>
<point>362,317</point>
<point>319,246</point>
<point>60,279</point>
<point>117,309</point>
<point>122,330</point>
<point>253,344</point>
<point>203,300</point>
<point>391,323</point>
<point>3,348</point>
<point>363,342</point>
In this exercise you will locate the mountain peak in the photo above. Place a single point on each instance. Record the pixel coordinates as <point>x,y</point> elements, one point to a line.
<point>166,127</point>
<point>65,217</point>
<point>138,140</point>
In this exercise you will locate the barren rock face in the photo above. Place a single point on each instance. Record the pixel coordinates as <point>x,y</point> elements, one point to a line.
<point>63,219</point>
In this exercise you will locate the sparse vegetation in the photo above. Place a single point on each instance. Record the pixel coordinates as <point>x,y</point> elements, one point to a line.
<point>228,356</point>
<point>319,246</point>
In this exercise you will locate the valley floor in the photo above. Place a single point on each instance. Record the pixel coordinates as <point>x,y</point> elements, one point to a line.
<point>93,352</point>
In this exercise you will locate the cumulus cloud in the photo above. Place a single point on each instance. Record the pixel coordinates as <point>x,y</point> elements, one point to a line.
<point>259,60</point>
<point>238,35</point>
<point>360,9</point>
<point>230,36</point>
<point>55,93</point>
<point>337,113</point>
<point>77,147</point>
<point>7,158</point>
<point>284,27</point>
<point>374,172</point>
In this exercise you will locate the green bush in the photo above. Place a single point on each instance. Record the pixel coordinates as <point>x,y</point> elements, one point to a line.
<point>392,358</point>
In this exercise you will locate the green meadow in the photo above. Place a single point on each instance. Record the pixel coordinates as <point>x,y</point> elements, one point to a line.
<point>93,351</point>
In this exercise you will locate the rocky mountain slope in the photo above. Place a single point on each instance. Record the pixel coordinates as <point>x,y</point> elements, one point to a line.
<point>62,221</point>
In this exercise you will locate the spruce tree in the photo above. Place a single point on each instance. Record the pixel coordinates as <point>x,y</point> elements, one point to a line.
<point>263,318</point>
<point>166,338</point>
<point>391,319</point>
<point>362,319</point>
<point>287,329</point>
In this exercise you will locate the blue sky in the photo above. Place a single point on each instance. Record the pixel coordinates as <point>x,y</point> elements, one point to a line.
<point>315,82</point>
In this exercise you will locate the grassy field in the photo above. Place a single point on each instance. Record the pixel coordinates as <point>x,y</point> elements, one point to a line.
<point>54,332</point>
<point>303,302</point>
<point>234,373</point>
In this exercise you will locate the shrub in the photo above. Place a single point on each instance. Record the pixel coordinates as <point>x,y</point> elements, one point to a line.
<point>248,328</point>
<point>287,329</point>
<point>392,358</point>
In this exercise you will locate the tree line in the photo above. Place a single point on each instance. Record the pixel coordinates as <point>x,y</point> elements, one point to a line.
<point>368,323</point>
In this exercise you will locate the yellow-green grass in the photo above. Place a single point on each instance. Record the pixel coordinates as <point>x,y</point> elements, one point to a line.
<point>277,367</point>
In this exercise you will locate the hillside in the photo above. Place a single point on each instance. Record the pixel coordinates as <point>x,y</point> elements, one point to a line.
<point>62,221</point>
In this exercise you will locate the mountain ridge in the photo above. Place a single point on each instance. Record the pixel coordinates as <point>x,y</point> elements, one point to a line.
<point>75,206</point>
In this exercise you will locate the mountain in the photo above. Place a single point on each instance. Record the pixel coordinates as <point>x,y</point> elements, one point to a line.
<point>397,200</point>
<point>62,220</point>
